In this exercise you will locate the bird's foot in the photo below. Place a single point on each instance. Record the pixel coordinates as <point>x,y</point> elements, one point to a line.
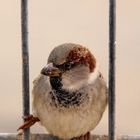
<point>83,137</point>
<point>29,121</point>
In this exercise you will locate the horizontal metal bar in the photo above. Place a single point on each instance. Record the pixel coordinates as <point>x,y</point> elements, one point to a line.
<point>12,136</point>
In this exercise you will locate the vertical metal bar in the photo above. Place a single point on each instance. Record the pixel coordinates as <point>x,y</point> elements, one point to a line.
<point>112,44</point>
<point>25,63</point>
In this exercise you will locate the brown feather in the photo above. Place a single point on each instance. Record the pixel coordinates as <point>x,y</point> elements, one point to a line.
<point>81,55</point>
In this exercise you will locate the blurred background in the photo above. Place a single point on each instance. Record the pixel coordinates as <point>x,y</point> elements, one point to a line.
<point>53,22</point>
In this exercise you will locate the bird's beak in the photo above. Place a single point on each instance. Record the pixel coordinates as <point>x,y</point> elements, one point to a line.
<point>50,70</point>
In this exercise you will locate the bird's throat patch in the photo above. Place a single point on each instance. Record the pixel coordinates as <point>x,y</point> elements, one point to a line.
<point>63,98</point>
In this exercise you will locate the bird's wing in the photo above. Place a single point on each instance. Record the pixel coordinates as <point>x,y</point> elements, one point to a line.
<point>99,93</point>
<point>40,92</point>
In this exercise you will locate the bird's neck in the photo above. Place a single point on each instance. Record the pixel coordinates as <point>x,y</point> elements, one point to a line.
<point>64,97</point>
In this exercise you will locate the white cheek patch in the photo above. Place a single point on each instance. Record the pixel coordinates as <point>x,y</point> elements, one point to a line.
<point>72,87</point>
<point>81,81</point>
<point>93,76</point>
<point>75,86</point>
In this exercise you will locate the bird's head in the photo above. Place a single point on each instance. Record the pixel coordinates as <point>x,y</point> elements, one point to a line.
<point>72,64</point>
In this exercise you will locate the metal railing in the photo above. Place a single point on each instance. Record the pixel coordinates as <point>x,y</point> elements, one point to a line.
<point>25,65</point>
<point>50,137</point>
<point>112,45</point>
<point>25,81</point>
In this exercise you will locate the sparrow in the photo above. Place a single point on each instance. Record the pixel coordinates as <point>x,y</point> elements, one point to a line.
<point>70,93</point>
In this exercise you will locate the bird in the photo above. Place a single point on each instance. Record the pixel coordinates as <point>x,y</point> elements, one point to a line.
<point>70,93</point>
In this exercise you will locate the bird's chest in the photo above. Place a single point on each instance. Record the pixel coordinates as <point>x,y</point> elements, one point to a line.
<point>69,115</point>
<point>67,120</point>
<point>65,115</point>
<point>66,99</point>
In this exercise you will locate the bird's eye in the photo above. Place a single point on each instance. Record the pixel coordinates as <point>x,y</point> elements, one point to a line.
<point>67,66</point>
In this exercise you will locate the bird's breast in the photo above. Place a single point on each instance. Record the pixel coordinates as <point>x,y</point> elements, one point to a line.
<point>69,122</point>
<point>62,98</point>
<point>65,114</point>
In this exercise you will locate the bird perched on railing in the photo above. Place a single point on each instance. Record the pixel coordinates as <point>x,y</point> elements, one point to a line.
<point>70,94</point>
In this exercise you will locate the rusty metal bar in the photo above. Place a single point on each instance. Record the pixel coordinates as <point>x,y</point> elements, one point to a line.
<point>25,63</point>
<point>112,44</point>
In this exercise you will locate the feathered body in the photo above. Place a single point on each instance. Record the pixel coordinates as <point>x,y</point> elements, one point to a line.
<point>72,104</point>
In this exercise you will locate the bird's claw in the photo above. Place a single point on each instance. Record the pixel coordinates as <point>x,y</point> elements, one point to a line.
<point>29,121</point>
